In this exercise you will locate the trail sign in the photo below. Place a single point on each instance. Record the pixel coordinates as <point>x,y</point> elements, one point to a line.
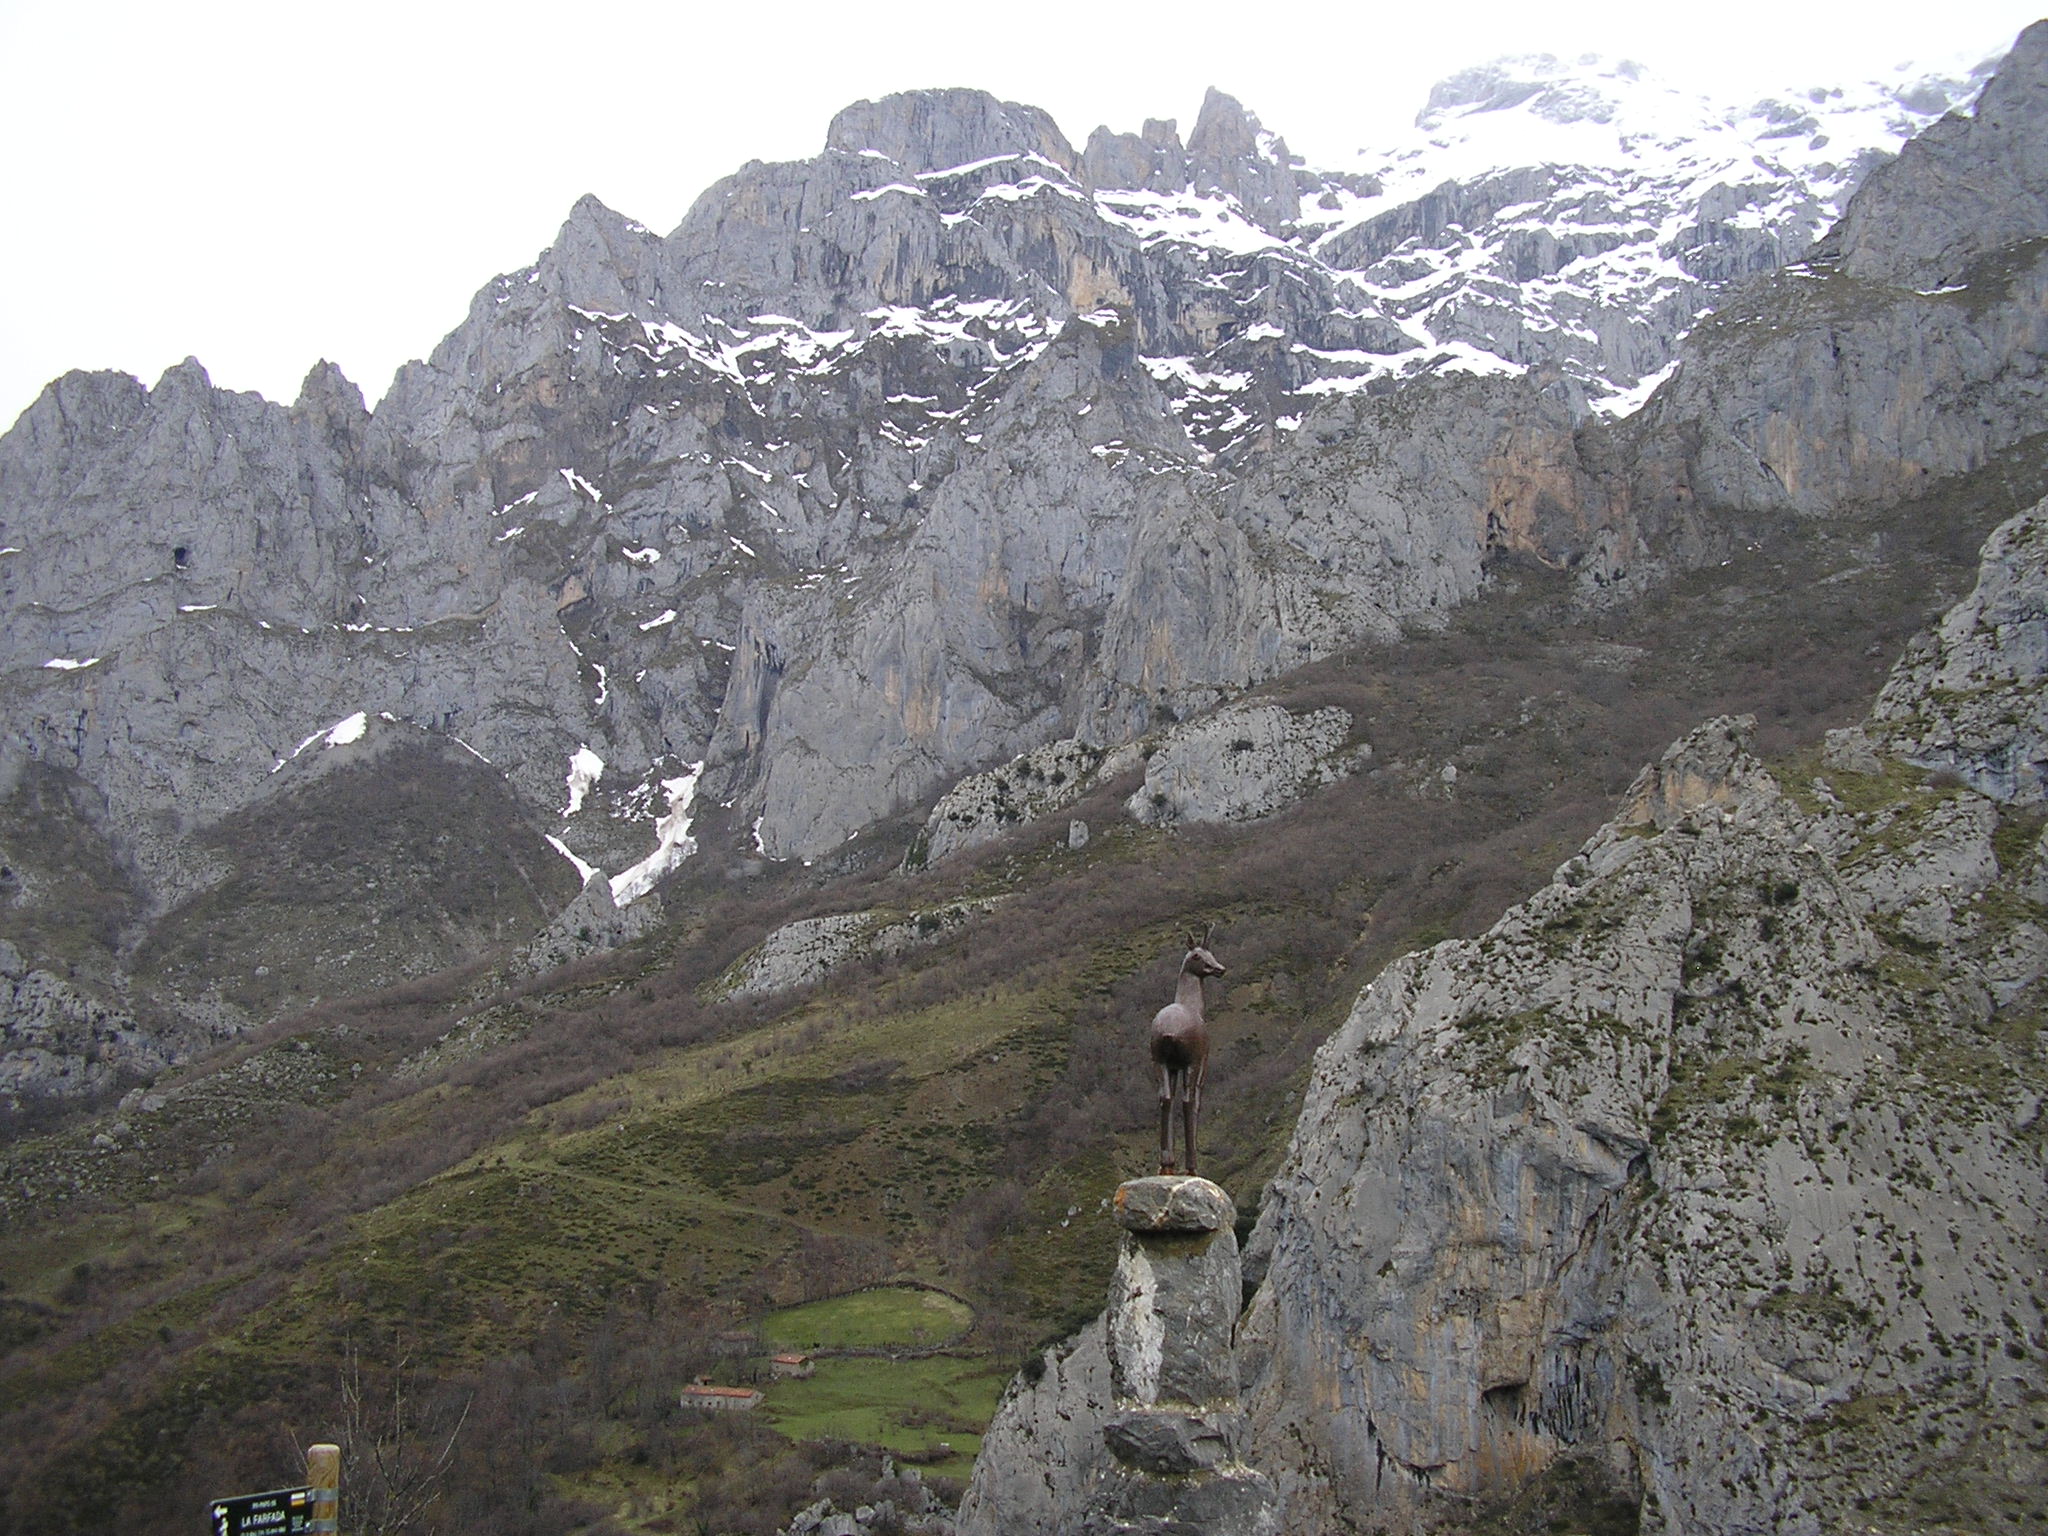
<point>281,1512</point>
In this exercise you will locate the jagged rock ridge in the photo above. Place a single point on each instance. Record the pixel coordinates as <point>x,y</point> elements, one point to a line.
<point>1713,1170</point>
<point>883,467</point>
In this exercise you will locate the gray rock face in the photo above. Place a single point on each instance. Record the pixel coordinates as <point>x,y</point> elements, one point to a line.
<point>802,952</point>
<point>1044,1447</point>
<point>1173,1444</point>
<point>1968,187</point>
<point>1709,1172</point>
<point>1849,750</point>
<point>1173,1318</point>
<point>1136,1428</point>
<point>1175,1437</point>
<point>1968,697</point>
<point>590,923</point>
<point>904,460</point>
<point>986,805</point>
<point>1151,160</point>
<point>1230,152</point>
<point>913,1510</point>
<point>1821,390</point>
<point>1711,767</point>
<point>922,131</point>
<point>1379,510</point>
<point>1228,1501</point>
<point>58,1041</point>
<point>1598,1183</point>
<point>1244,762</point>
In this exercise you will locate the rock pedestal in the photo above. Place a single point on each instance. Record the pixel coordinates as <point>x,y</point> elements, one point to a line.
<point>1174,1432</point>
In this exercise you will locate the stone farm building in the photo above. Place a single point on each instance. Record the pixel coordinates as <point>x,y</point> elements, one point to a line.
<point>721,1399</point>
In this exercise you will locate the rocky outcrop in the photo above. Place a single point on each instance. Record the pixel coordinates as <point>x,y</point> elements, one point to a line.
<point>908,1506</point>
<point>986,805</point>
<point>1967,188</point>
<point>1041,1452</point>
<point>801,953</point>
<point>1606,1182</point>
<point>1158,1446</point>
<point>1705,1186</point>
<point>1822,391</point>
<point>1175,1437</point>
<point>922,131</point>
<point>805,952</point>
<point>591,923</point>
<point>1229,151</point>
<point>58,1042</point>
<point>1969,698</point>
<point>1245,762</point>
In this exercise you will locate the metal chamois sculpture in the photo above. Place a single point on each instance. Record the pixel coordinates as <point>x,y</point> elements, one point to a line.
<point>1180,1050</point>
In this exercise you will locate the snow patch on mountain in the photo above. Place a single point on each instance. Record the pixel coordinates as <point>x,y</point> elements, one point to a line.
<point>585,769</point>
<point>673,842</point>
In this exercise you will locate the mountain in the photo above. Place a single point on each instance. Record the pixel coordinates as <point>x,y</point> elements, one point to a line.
<point>882,467</point>
<point>874,586</point>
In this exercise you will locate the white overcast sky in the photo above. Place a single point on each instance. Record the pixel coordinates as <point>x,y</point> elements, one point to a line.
<point>264,184</point>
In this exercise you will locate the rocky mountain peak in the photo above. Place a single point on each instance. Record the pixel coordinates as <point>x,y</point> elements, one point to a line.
<point>1971,185</point>
<point>330,391</point>
<point>1224,130</point>
<point>602,260</point>
<point>937,130</point>
<point>187,378</point>
<point>1029,456</point>
<point>76,406</point>
<point>1231,152</point>
<point>1152,160</point>
<point>592,218</point>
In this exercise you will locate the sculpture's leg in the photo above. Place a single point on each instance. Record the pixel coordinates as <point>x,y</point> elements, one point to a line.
<point>1190,1112</point>
<point>1165,1121</point>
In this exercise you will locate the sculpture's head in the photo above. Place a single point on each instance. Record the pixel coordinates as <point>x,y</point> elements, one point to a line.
<point>1199,960</point>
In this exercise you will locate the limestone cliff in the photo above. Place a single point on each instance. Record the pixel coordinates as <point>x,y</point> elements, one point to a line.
<point>891,465</point>
<point>1716,1163</point>
<point>1708,1182</point>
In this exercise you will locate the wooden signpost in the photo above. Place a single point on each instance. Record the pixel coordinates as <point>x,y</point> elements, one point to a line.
<point>307,1511</point>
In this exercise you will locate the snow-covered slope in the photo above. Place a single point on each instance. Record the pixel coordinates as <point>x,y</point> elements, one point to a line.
<point>1572,218</point>
<point>1583,214</point>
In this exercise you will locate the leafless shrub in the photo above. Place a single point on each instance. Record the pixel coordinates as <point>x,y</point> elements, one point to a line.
<point>398,1435</point>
